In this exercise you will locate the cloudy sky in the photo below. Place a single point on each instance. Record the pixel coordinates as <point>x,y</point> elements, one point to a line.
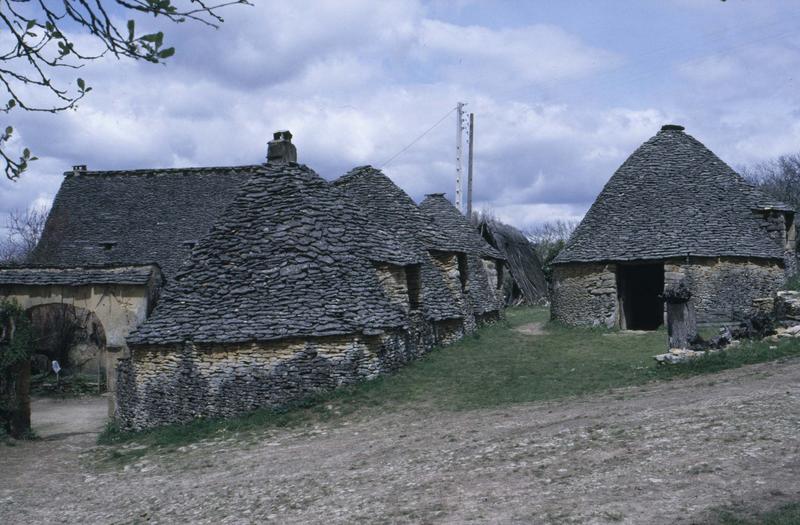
<point>562,93</point>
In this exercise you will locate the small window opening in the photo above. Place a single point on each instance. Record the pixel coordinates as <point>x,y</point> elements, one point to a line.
<point>463,271</point>
<point>791,232</point>
<point>108,245</point>
<point>189,244</point>
<point>499,266</point>
<point>413,284</point>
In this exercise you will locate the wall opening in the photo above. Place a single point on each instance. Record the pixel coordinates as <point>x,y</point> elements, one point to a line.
<point>791,233</point>
<point>640,287</point>
<point>413,285</point>
<point>499,267</point>
<point>73,336</point>
<point>463,271</point>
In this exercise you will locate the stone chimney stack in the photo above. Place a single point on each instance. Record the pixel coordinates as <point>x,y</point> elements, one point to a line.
<point>281,149</point>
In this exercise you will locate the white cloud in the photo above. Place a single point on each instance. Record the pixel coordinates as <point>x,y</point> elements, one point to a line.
<point>509,57</point>
<point>356,81</point>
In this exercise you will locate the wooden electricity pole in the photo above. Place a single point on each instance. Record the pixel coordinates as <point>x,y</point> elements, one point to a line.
<point>469,164</point>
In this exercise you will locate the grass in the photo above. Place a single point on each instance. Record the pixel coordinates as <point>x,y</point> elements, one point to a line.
<point>794,283</point>
<point>496,367</point>
<point>68,386</point>
<point>784,515</point>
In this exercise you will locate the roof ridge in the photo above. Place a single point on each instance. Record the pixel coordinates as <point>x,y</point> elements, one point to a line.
<point>150,171</point>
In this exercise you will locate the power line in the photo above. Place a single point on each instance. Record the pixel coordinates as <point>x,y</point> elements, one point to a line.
<point>418,138</point>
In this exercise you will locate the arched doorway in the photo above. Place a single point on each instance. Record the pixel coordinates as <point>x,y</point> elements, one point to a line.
<point>71,335</point>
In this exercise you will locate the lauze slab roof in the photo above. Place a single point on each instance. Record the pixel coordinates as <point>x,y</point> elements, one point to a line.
<point>393,210</point>
<point>464,237</point>
<point>78,276</point>
<point>291,256</point>
<point>142,216</point>
<point>461,235</point>
<point>673,197</point>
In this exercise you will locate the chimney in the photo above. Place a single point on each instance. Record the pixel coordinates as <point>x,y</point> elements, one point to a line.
<point>280,149</point>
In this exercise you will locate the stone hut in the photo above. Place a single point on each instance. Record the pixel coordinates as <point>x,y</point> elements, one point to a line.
<point>481,267</point>
<point>444,303</point>
<point>673,212</point>
<point>213,291</point>
<point>294,291</point>
<point>525,281</point>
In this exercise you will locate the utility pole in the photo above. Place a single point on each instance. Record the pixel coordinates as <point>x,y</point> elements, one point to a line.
<point>459,143</point>
<point>469,164</point>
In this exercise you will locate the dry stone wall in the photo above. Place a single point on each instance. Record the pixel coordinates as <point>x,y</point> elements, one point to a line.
<point>724,289</point>
<point>395,284</point>
<point>174,384</point>
<point>448,266</point>
<point>585,294</point>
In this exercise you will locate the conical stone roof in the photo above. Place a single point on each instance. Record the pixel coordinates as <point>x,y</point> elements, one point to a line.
<point>391,209</point>
<point>292,256</point>
<point>465,238</point>
<point>673,197</point>
<point>460,235</point>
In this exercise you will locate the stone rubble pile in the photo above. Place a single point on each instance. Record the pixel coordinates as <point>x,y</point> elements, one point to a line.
<point>778,319</point>
<point>787,307</point>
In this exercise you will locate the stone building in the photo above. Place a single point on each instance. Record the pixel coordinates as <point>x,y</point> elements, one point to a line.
<point>110,242</point>
<point>221,290</point>
<point>673,212</point>
<point>481,268</point>
<point>445,299</point>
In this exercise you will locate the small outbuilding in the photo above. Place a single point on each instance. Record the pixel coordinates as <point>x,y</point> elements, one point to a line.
<point>673,212</point>
<point>482,267</point>
<point>525,282</point>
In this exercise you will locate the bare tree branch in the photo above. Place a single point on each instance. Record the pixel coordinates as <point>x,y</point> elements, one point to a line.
<point>42,41</point>
<point>23,231</point>
<point>779,178</point>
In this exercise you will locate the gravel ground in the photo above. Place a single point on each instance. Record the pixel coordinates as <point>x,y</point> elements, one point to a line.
<point>663,453</point>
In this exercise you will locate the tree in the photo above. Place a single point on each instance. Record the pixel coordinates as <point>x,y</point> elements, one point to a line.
<point>41,38</point>
<point>549,239</point>
<point>15,371</point>
<point>23,231</point>
<point>779,178</point>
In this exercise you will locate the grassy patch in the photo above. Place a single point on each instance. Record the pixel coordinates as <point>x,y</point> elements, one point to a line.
<point>68,386</point>
<point>496,367</point>
<point>746,354</point>
<point>794,283</point>
<point>784,515</point>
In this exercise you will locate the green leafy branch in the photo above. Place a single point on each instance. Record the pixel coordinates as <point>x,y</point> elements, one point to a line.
<point>40,45</point>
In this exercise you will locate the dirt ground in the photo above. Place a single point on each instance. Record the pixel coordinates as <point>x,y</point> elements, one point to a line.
<point>53,419</point>
<point>531,329</point>
<point>662,453</point>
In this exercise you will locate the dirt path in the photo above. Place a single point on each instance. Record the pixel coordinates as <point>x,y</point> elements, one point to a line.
<point>531,329</point>
<point>56,418</point>
<point>663,453</point>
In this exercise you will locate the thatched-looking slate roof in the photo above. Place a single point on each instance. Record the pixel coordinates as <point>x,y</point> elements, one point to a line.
<point>135,217</point>
<point>40,276</point>
<point>393,210</point>
<point>672,198</point>
<point>523,263</point>
<point>463,237</point>
<point>292,256</point>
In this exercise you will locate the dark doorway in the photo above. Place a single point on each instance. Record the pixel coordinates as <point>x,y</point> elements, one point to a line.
<point>640,287</point>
